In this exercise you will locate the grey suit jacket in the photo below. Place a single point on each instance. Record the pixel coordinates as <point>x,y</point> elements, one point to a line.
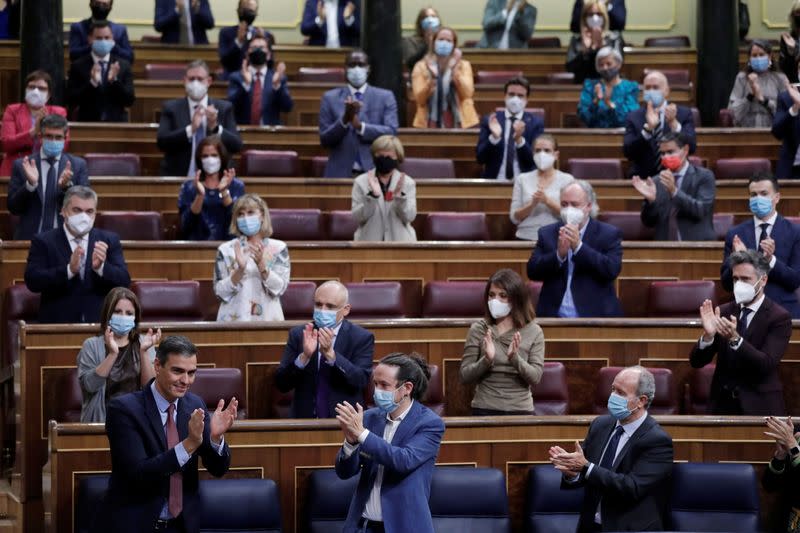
<point>494,24</point>
<point>694,202</point>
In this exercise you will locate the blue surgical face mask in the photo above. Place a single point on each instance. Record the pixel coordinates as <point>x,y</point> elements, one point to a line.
<point>618,406</point>
<point>384,400</point>
<point>759,64</point>
<point>249,225</point>
<point>760,206</point>
<point>430,23</point>
<point>52,148</point>
<point>442,48</point>
<point>357,76</point>
<point>654,96</point>
<point>324,318</point>
<point>102,47</point>
<point>122,324</point>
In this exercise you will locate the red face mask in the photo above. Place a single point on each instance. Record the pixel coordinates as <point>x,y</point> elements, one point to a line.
<point>671,162</point>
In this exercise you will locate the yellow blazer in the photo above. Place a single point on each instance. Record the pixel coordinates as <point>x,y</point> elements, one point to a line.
<point>462,82</point>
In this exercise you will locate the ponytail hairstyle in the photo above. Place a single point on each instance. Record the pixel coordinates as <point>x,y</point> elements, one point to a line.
<point>411,368</point>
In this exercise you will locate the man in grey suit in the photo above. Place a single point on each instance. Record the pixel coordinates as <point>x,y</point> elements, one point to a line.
<point>507,24</point>
<point>679,202</point>
<point>351,117</point>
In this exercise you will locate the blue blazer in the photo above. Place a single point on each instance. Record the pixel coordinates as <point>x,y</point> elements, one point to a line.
<point>354,347</point>
<point>273,102</point>
<point>141,463</point>
<point>230,55</point>
<point>378,113</point>
<point>491,155</point>
<point>28,205</point>
<point>408,464</point>
<point>786,128</point>
<point>644,153</point>
<point>318,35</point>
<point>79,40</point>
<point>597,265</point>
<point>73,300</point>
<point>167,21</point>
<point>784,278</point>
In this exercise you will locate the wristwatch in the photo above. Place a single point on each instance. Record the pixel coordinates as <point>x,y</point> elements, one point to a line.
<point>734,342</point>
<point>794,452</point>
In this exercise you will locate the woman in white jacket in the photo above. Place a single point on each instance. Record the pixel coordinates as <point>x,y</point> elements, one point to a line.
<point>385,199</point>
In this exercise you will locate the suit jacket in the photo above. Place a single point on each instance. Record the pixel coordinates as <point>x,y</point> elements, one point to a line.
<point>273,102</point>
<point>16,139</point>
<point>617,15</point>
<point>494,25</point>
<point>107,101</point>
<point>408,463</point>
<point>177,147</point>
<point>141,463</point>
<point>694,202</point>
<point>491,155</point>
<point>634,492</point>
<point>644,153</point>
<point>318,35</point>
<point>786,128</point>
<point>167,21</point>
<point>349,375</point>
<point>230,54</point>
<point>28,205</point>
<point>753,368</point>
<point>72,300</point>
<point>597,265</point>
<point>784,277</point>
<point>79,40</point>
<point>378,114</point>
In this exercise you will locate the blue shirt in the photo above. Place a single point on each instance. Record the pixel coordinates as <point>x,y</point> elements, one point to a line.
<point>567,309</point>
<point>214,219</point>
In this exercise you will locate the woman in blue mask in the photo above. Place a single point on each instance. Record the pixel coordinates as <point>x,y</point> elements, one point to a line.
<point>117,361</point>
<point>754,97</point>
<point>252,270</point>
<point>416,46</point>
<point>443,87</point>
<point>594,35</point>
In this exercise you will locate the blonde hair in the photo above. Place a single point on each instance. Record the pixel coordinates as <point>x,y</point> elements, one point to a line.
<point>588,5</point>
<point>247,201</point>
<point>388,142</point>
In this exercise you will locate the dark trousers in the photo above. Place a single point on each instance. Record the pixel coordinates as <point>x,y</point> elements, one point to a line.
<point>368,526</point>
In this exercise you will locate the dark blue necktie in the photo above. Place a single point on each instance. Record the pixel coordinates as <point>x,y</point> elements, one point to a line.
<point>510,150</point>
<point>611,450</point>
<point>50,196</point>
<point>741,325</point>
<point>764,227</point>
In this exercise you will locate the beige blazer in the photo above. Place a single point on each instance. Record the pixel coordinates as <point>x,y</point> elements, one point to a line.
<point>379,220</point>
<point>462,82</point>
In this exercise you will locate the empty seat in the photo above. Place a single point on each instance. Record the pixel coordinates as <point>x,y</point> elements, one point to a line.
<point>722,223</point>
<point>469,499</point>
<point>213,384</point>
<point>341,226</point>
<point>318,163</point>
<point>88,499</point>
<point>19,303</point>
<point>551,395</point>
<point>113,164</point>
<point>665,401</point>
<point>379,299</point>
<point>698,161</point>
<point>209,303</point>
<point>239,506</point>
<point>535,289</point>
<point>69,397</point>
<point>595,168</point>
<point>714,497</point>
<point>741,167</point>
<point>131,225</point>
<point>700,389</point>
<point>629,223</point>
<point>296,224</point>
<point>448,299</point>
<point>673,41</point>
<point>678,299</point>
<point>455,227</point>
<point>315,74</point>
<point>696,117</point>
<point>169,301</point>
<point>164,71</point>
<point>495,77</point>
<point>270,163</point>
<point>544,42</point>
<point>548,509</point>
<point>428,168</point>
<point>725,118</point>
<point>327,500</point>
<point>298,300</point>
<point>559,78</point>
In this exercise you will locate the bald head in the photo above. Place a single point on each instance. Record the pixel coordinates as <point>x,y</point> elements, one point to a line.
<point>334,291</point>
<point>656,80</point>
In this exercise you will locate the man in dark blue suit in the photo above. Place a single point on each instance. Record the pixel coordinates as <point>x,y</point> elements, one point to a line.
<point>156,436</point>
<point>183,21</point>
<point>79,45</point>
<point>772,235</point>
<point>645,127</point>
<point>259,91</point>
<point>351,117</point>
<point>233,39</point>
<point>393,447</point>
<point>37,184</point>
<point>502,159</point>
<point>578,260</point>
<point>332,23</point>
<point>74,267</point>
<point>326,362</point>
<point>786,127</point>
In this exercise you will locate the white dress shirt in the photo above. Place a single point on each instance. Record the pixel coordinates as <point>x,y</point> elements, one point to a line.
<point>649,135</point>
<point>332,23</point>
<point>510,15</point>
<point>43,171</point>
<point>771,221</point>
<point>262,72</point>
<point>83,242</point>
<point>97,59</point>
<point>508,134</point>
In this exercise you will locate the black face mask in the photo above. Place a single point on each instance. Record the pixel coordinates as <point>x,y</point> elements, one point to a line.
<point>100,12</point>
<point>248,16</point>
<point>270,64</point>
<point>257,57</point>
<point>384,164</point>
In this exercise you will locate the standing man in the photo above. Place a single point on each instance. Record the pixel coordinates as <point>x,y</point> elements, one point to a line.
<point>351,117</point>
<point>233,39</point>
<point>79,44</point>
<point>679,202</point>
<point>332,23</point>
<point>156,436</point>
<point>328,361</point>
<point>507,24</point>
<point>772,235</point>
<point>749,337</point>
<point>625,461</point>
<point>393,447</point>
<point>505,142</point>
<point>183,21</point>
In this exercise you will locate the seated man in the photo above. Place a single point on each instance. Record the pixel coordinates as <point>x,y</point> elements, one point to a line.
<point>776,238</point>
<point>646,127</point>
<point>332,23</point>
<point>79,44</point>
<point>578,260</point>
<point>259,91</point>
<point>187,121</point>
<point>786,128</point>
<point>679,202</point>
<point>101,83</point>
<point>37,184</point>
<point>328,361</point>
<point>351,117</point>
<point>183,21</point>
<point>749,337</point>
<point>501,158</point>
<point>233,39</point>
<point>74,267</point>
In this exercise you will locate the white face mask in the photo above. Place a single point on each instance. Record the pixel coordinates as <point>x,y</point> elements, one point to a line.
<point>211,165</point>
<point>196,89</point>
<point>499,309</point>
<point>35,97</point>
<point>544,160</point>
<point>572,215</point>
<point>515,105</point>
<point>80,224</point>
<point>743,292</point>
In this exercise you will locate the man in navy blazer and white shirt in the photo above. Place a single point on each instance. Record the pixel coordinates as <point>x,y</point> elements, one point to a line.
<point>233,40</point>
<point>183,21</point>
<point>331,23</point>
<point>500,159</point>
<point>786,127</point>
